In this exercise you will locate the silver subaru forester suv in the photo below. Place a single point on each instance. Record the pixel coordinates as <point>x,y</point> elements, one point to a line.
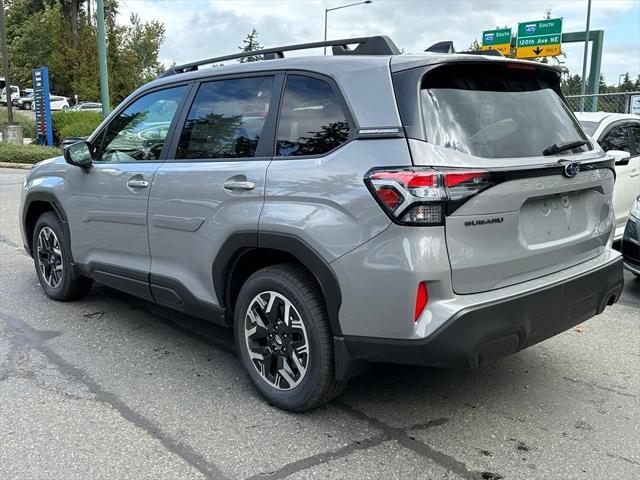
<point>436,209</point>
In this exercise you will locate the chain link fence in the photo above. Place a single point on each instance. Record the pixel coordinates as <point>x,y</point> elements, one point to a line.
<point>602,102</point>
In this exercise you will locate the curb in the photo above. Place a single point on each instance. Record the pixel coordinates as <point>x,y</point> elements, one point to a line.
<point>20,166</point>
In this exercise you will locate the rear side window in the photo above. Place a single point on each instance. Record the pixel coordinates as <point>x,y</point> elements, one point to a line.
<point>495,112</point>
<point>616,139</point>
<point>311,121</point>
<point>226,119</point>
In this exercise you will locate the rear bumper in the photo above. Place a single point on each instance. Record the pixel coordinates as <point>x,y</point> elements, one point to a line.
<point>493,330</point>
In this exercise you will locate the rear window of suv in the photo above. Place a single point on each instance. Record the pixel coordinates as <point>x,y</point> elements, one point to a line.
<point>495,112</point>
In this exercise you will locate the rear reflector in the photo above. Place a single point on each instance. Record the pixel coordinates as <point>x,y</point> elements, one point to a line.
<point>421,301</point>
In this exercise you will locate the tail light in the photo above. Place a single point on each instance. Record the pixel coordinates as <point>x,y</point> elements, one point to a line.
<point>422,195</point>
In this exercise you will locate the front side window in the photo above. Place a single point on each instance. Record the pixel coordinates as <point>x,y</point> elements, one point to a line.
<point>495,113</point>
<point>138,133</point>
<point>311,121</point>
<point>616,139</point>
<point>226,119</point>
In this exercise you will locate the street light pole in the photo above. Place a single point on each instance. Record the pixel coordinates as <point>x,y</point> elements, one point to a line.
<point>584,59</point>
<point>5,62</point>
<point>327,10</point>
<point>102,59</point>
<point>620,80</point>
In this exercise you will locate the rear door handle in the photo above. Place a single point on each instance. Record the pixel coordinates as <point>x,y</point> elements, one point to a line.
<point>239,185</point>
<point>133,183</point>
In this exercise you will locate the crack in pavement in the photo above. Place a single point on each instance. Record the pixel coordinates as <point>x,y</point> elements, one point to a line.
<point>577,381</point>
<point>7,241</point>
<point>321,458</point>
<point>400,435</point>
<point>389,433</point>
<point>37,339</point>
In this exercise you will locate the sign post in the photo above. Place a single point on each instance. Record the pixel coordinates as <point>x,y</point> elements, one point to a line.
<point>42,106</point>
<point>499,40</point>
<point>539,38</point>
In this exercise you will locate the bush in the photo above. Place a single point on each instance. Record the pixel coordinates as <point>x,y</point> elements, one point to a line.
<point>74,124</point>
<point>26,153</point>
<point>28,123</point>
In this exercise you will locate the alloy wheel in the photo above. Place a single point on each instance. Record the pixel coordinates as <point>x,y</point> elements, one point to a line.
<point>50,257</point>
<point>276,340</point>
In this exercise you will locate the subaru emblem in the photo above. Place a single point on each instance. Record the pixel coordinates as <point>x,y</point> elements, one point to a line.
<point>571,169</point>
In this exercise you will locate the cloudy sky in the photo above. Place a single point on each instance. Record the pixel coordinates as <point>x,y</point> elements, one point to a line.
<point>198,29</point>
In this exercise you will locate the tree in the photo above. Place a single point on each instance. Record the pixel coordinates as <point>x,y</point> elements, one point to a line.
<point>250,44</point>
<point>626,85</point>
<point>570,85</point>
<point>61,35</point>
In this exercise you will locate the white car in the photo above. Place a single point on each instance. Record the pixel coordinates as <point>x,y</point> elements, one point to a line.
<point>619,135</point>
<point>58,103</point>
<point>15,93</point>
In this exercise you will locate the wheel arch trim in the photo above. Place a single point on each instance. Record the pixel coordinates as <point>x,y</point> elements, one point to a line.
<point>241,242</point>
<point>51,199</point>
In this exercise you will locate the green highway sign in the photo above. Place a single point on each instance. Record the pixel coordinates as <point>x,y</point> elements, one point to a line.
<point>539,38</point>
<point>499,40</point>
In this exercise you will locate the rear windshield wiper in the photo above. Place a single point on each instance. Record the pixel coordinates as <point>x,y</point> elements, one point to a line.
<point>562,146</point>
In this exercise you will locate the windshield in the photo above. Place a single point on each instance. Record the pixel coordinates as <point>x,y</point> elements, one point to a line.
<point>495,113</point>
<point>589,127</point>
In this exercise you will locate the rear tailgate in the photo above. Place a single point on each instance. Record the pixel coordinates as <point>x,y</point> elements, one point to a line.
<point>546,207</point>
<point>527,227</point>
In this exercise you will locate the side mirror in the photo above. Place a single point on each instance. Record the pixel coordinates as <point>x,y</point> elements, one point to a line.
<point>621,157</point>
<point>78,154</point>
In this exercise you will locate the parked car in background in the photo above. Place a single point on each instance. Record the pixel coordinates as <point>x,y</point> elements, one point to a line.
<point>631,240</point>
<point>85,107</point>
<point>23,103</point>
<point>59,103</point>
<point>27,102</point>
<point>15,93</point>
<point>619,135</point>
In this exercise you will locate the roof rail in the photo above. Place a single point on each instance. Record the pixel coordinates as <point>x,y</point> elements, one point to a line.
<point>376,45</point>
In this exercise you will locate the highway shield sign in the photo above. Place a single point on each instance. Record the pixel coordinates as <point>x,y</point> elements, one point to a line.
<point>499,40</point>
<point>539,38</point>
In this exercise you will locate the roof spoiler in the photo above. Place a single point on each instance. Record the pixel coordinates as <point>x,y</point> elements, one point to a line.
<point>447,47</point>
<point>442,47</point>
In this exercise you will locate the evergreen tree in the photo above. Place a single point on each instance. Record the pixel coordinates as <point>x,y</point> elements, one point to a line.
<point>250,44</point>
<point>627,85</point>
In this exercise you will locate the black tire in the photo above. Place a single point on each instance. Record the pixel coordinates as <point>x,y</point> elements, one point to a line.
<point>67,285</point>
<point>27,105</point>
<point>317,385</point>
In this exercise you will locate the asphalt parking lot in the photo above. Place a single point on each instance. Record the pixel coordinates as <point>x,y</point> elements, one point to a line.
<point>113,387</point>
